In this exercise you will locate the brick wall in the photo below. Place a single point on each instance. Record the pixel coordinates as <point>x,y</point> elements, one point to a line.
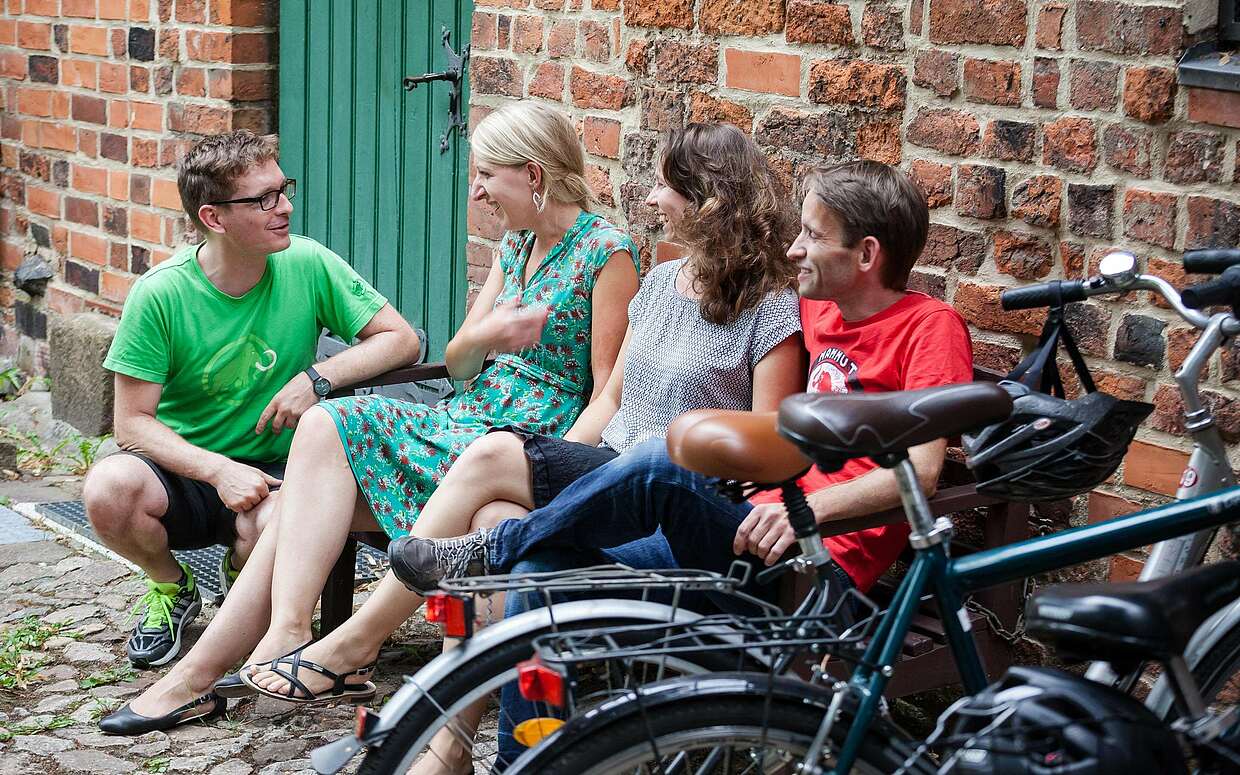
<point>98,97</point>
<point>1042,132</point>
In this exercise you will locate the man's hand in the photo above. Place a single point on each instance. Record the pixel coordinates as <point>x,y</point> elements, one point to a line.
<point>242,487</point>
<point>510,327</point>
<point>287,406</point>
<point>765,533</point>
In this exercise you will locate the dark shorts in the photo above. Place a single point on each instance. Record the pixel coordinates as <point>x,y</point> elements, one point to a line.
<point>196,517</point>
<point>556,463</point>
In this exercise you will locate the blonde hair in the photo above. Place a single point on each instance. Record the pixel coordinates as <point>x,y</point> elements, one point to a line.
<point>207,172</point>
<point>523,132</point>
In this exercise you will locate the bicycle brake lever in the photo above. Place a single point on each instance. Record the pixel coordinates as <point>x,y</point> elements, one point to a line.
<point>775,571</point>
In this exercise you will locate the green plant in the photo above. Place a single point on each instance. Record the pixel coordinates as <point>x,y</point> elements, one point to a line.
<point>12,381</point>
<point>84,456</point>
<point>19,664</point>
<point>102,706</point>
<point>31,455</point>
<point>157,764</point>
<point>113,675</point>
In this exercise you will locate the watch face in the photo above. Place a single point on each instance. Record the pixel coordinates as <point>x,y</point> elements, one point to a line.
<point>322,387</point>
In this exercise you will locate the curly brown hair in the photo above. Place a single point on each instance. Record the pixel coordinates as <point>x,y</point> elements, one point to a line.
<point>739,222</point>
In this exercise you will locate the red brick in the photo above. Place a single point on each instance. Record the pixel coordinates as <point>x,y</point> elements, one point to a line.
<point>1105,506</point>
<point>35,102</point>
<point>12,65</point>
<point>997,83</point>
<point>88,247</point>
<point>980,191</point>
<point>1124,569</point>
<point>637,57</point>
<point>597,90</point>
<point>1049,33</point>
<point>1154,468</point>
<point>602,136</point>
<point>1179,341</point>
<point>880,141</point>
<point>686,63</point>
<point>242,13</point>
<point>1023,256</point>
<point>659,13</point>
<point>979,304</point>
<point>938,71</point>
<point>1128,149</point>
<point>115,10</point>
<point>90,180</point>
<point>8,32</point>
<point>1070,144</point>
<point>1194,157</point>
<point>599,181</point>
<point>1212,223</point>
<point>596,41</point>
<point>934,180</point>
<point>113,78</point>
<point>527,34</point>
<point>146,115</point>
<point>1210,106</point>
<point>707,108</point>
<point>115,286</point>
<point>760,71</point>
<point>482,35</point>
<point>950,131</point>
<point>1149,94</point>
<point>662,109</point>
<point>88,40</point>
<point>1120,28</point>
<point>191,11</point>
<point>1038,200</point>
<point>164,194</point>
<point>856,82</point>
<point>191,82</point>
<point>42,201</point>
<point>994,22</point>
<point>145,226</point>
<point>548,82</point>
<point>58,136</point>
<point>882,26</point>
<point>199,119</point>
<point>818,21</point>
<point>741,17</point>
<point>562,39</point>
<point>1092,85</point>
<point>1045,82</point>
<point>82,211</point>
<point>89,109</point>
<point>79,72</point>
<point>34,35</point>
<point>118,184</point>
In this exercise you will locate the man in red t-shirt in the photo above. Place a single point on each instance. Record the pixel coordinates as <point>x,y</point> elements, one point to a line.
<point>863,225</point>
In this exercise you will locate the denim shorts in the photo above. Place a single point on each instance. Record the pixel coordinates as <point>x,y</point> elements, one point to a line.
<point>556,463</point>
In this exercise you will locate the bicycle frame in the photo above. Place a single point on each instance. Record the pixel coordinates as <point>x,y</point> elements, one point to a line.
<point>952,579</point>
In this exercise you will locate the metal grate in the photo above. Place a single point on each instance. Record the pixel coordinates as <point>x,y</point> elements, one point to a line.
<point>204,563</point>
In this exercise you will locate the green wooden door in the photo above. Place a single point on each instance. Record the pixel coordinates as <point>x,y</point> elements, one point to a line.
<point>373,184</point>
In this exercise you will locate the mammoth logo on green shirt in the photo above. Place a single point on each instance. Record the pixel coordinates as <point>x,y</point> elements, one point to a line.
<point>236,367</point>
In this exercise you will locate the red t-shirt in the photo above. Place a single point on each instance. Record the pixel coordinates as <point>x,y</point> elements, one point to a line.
<point>915,343</point>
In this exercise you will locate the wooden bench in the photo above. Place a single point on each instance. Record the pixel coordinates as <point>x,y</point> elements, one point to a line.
<point>926,661</point>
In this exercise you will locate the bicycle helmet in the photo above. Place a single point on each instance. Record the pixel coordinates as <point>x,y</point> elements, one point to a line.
<point>1050,447</point>
<point>1040,721</point>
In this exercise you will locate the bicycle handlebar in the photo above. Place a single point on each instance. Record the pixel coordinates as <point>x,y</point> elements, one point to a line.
<point>1222,290</point>
<point>1050,294</point>
<point>1214,261</point>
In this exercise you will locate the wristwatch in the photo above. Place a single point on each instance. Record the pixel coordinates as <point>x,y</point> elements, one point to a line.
<point>320,384</point>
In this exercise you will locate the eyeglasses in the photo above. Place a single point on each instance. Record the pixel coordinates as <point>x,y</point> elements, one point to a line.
<point>268,200</point>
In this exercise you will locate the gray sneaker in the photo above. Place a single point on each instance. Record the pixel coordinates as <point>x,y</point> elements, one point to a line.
<point>227,573</point>
<point>156,640</point>
<point>421,563</point>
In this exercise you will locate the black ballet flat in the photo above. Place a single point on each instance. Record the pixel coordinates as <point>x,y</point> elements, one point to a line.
<point>126,722</point>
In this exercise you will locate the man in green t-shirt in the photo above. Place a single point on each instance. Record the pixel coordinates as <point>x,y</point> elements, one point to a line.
<point>213,359</point>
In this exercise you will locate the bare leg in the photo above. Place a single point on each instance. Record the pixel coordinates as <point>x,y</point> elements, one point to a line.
<point>493,463</point>
<point>451,749</point>
<point>250,525</point>
<point>125,503</point>
<point>320,504</point>
<point>235,629</point>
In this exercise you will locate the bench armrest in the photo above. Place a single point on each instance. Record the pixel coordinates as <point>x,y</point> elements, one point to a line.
<point>419,372</point>
<point>945,501</point>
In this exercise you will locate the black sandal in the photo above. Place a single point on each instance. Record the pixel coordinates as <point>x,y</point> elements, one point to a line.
<point>234,688</point>
<point>125,722</point>
<point>298,692</point>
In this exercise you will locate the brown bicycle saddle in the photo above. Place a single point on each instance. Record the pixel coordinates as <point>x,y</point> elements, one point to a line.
<point>832,428</point>
<point>744,446</point>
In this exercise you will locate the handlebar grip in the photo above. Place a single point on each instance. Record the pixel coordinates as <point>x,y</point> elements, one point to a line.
<point>1223,290</point>
<point>1212,261</point>
<point>1043,294</point>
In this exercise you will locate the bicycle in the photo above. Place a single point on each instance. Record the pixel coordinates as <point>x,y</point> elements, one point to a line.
<point>843,719</point>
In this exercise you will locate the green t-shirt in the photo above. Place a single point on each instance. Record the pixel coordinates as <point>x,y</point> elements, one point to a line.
<point>221,358</point>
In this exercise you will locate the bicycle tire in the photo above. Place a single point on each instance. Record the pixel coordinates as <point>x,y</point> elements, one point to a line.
<point>1216,668</point>
<point>401,746</point>
<point>682,727</point>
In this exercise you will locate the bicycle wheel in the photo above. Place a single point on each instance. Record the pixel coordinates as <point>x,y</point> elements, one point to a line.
<point>715,734</point>
<point>1217,672</point>
<point>488,671</point>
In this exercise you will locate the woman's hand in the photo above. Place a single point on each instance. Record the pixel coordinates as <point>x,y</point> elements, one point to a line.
<point>510,327</point>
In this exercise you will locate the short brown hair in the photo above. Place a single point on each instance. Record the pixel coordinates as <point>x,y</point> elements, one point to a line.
<point>208,171</point>
<point>871,199</point>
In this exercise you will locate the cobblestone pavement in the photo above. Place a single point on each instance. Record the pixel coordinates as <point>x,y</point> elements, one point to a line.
<point>81,604</point>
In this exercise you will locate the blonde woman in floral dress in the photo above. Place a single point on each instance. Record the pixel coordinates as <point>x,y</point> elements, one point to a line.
<point>554,309</point>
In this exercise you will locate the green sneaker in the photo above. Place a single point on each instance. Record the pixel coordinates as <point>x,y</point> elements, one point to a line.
<point>228,574</point>
<point>156,640</point>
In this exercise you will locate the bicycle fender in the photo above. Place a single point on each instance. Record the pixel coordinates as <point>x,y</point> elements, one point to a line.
<point>642,699</point>
<point>332,757</point>
<point>1205,638</point>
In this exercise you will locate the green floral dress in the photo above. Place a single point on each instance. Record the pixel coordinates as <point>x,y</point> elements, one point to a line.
<point>400,450</point>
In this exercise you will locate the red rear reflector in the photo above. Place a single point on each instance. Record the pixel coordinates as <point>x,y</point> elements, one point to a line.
<point>539,683</point>
<point>364,721</point>
<point>454,613</point>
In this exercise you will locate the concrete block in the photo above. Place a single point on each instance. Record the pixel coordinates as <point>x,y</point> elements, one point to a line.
<point>81,387</point>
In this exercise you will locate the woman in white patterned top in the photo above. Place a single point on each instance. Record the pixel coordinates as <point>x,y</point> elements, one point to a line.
<point>719,328</point>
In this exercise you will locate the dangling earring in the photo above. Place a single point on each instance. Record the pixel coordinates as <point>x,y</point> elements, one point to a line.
<point>540,201</point>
